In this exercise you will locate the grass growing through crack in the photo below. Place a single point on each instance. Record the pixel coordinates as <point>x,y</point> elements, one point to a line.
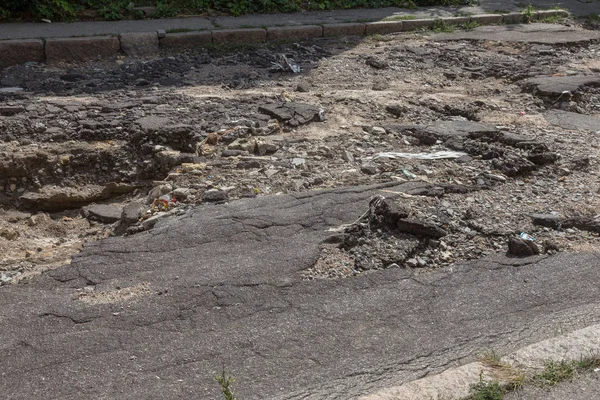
<point>558,371</point>
<point>513,377</point>
<point>551,19</point>
<point>440,26</point>
<point>485,390</point>
<point>469,26</point>
<point>226,381</point>
<point>528,13</point>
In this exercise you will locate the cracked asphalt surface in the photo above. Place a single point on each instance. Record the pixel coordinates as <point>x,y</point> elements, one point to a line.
<point>245,307</point>
<point>159,313</point>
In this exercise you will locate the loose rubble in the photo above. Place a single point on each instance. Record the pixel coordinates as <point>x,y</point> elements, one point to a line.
<point>503,134</point>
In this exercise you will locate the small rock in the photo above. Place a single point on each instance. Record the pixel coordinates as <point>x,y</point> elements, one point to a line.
<point>377,130</point>
<point>264,147</point>
<point>543,158</point>
<point>158,191</point>
<point>132,212</point>
<point>214,196</point>
<point>550,247</point>
<point>298,184</point>
<point>102,212</point>
<point>303,87</point>
<point>150,222</point>
<point>297,161</point>
<point>369,170</point>
<point>232,153</point>
<point>11,110</point>
<point>412,263</point>
<point>388,212</point>
<point>9,234</point>
<point>347,156</point>
<point>547,220</point>
<point>590,224</point>
<point>522,248</point>
<point>420,228</point>
<point>184,193</point>
<point>376,63</point>
<point>192,167</point>
<point>243,144</point>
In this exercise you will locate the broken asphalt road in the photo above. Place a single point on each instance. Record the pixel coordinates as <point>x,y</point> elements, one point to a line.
<point>221,286</point>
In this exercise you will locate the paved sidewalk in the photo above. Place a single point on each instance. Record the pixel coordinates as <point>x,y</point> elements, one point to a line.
<point>45,30</point>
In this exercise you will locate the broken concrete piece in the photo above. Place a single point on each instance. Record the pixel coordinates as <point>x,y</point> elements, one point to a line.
<point>50,198</point>
<point>102,212</point>
<point>292,113</point>
<point>420,228</point>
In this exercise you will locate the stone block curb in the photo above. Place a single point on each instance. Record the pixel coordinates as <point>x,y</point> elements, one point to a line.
<point>456,20</point>
<point>186,40</point>
<point>21,51</point>
<point>551,13</point>
<point>414,24</point>
<point>294,32</point>
<point>148,44</point>
<point>81,49</point>
<point>513,18</point>
<point>383,27</point>
<point>348,29</point>
<point>233,36</point>
<point>487,19</point>
<point>143,44</point>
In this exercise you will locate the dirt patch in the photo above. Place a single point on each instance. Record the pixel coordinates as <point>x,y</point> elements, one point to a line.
<point>117,295</point>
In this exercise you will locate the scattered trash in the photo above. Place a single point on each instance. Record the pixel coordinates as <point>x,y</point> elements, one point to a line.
<point>46,20</point>
<point>439,155</point>
<point>163,203</point>
<point>525,236</point>
<point>285,64</point>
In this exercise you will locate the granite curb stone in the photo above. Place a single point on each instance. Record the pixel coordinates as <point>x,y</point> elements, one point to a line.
<point>21,51</point>
<point>143,44</point>
<point>148,44</point>
<point>81,49</point>
<point>487,19</point>
<point>294,32</point>
<point>413,24</point>
<point>384,27</point>
<point>252,35</point>
<point>346,29</point>
<point>186,40</point>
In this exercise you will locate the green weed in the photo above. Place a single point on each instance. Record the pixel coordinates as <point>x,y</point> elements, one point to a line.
<point>485,390</point>
<point>226,381</point>
<point>470,25</point>
<point>440,26</point>
<point>528,13</point>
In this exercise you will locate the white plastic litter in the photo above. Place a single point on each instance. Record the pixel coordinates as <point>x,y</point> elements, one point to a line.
<point>438,155</point>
